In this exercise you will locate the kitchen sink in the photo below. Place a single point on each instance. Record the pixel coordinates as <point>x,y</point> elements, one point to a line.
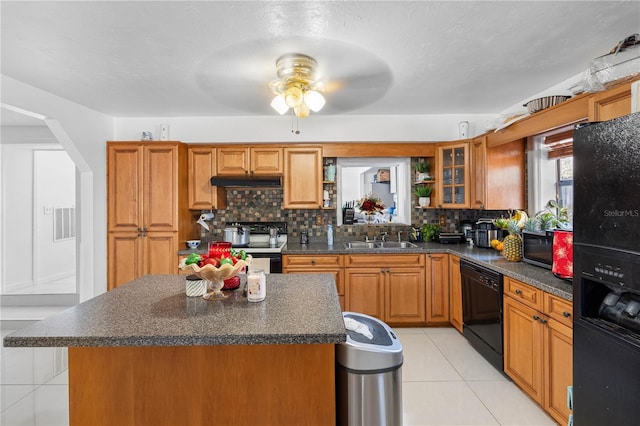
<point>379,245</point>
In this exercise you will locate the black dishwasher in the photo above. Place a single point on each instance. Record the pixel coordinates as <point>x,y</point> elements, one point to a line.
<point>482,310</point>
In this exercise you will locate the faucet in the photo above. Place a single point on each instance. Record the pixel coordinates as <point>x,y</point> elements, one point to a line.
<point>383,235</point>
<point>399,236</point>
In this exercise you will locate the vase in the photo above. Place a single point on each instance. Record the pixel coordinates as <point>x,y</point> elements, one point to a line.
<point>370,217</point>
<point>424,201</point>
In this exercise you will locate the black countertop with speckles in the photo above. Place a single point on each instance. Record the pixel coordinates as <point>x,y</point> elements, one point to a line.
<point>537,277</point>
<point>154,311</point>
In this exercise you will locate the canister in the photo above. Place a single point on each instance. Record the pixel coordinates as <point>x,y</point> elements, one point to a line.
<point>256,285</point>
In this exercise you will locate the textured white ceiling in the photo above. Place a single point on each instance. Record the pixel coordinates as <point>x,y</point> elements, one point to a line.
<point>216,58</point>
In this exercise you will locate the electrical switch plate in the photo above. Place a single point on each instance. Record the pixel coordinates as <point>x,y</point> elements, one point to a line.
<point>319,219</point>
<point>48,209</point>
<point>443,220</point>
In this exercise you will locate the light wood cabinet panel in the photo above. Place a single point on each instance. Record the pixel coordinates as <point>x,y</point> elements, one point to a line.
<point>266,161</point>
<point>437,300</point>
<point>202,166</point>
<point>455,293</point>
<point>523,348</point>
<point>318,264</point>
<point>243,160</point>
<point>558,369</point>
<point>453,185</point>
<point>610,104</point>
<point>538,349</point>
<point>124,181</point>
<point>387,260</point>
<point>232,161</point>
<point>365,291</point>
<point>497,175</point>
<point>524,293</point>
<point>147,215</point>
<point>404,295</point>
<point>303,178</point>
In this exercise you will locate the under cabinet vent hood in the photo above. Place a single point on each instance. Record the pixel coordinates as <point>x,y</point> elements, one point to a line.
<point>250,182</point>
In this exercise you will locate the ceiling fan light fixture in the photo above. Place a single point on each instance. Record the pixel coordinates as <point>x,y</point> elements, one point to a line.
<point>278,103</point>
<point>314,100</point>
<point>296,86</point>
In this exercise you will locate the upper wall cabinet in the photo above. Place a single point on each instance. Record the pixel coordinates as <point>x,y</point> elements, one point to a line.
<point>453,175</point>
<point>303,177</point>
<point>257,161</point>
<point>202,166</point>
<point>611,104</point>
<point>497,175</point>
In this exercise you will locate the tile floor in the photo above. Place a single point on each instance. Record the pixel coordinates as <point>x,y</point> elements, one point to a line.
<point>445,382</point>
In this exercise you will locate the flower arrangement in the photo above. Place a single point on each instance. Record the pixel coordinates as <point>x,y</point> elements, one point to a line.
<point>370,204</point>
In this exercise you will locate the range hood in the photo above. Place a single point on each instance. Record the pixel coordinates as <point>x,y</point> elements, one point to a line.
<point>247,181</point>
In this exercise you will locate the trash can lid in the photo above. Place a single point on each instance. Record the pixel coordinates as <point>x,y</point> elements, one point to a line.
<point>371,344</point>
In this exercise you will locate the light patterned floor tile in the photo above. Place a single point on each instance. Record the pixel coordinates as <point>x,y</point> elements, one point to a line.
<point>423,361</point>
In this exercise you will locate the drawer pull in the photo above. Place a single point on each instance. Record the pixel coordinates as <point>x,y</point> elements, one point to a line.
<point>566,314</point>
<point>543,321</point>
<point>518,291</point>
<point>313,262</point>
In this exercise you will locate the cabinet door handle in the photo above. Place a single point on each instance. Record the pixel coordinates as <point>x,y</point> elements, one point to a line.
<point>313,262</point>
<point>518,291</point>
<point>388,270</point>
<point>566,314</point>
<point>535,317</point>
<point>543,321</point>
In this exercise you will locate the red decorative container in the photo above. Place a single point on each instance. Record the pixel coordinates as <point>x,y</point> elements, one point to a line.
<point>231,283</point>
<point>562,254</point>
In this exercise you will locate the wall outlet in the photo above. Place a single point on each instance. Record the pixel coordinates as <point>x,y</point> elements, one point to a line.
<point>442,220</point>
<point>319,219</point>
<point>48,209</point>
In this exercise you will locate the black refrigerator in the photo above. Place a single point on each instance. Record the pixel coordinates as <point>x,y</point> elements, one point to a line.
<point>606,279</point>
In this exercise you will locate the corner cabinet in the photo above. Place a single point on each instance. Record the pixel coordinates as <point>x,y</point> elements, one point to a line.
<point>453,175</point>
<point>202,166</point>
<point>498,175</point>
<point>302,183</point>
<point>538,345</point>
<point>146,208</point>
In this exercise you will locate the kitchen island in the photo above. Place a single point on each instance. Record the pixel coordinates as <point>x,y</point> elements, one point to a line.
<point>146,354</point>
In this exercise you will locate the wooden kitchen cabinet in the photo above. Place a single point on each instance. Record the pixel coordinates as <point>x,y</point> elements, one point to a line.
<point>147,211</point>
<point>453,185</point>
<point>255,161</point>
<point>437,280</point>
<point>455,293</point>
<point>202,166</point>
<point>610,104</point>
<point>497,175</point>
<point>318,264</point>
<point>538,346</point>
<point>391,288</point>
<point>303,177</point>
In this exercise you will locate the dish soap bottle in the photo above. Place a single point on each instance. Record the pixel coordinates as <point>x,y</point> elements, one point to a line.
<point>330,235</point>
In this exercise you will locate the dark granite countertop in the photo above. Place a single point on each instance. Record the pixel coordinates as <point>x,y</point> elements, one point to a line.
<point>537,277</point>
<point>154,311</point>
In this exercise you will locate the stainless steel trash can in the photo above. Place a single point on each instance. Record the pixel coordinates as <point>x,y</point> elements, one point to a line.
<point>369,374</point>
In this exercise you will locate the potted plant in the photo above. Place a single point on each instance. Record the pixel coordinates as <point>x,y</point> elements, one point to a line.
<point>424,194</point>
<point>430,231</point>
<point>422,171</point>
<point>553,216</point>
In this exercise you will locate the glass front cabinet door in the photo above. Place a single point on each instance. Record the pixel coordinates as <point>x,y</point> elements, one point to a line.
<point>453,175</point>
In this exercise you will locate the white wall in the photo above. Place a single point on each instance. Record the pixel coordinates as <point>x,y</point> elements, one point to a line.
<point>315,128</point>
<point>83,133</point>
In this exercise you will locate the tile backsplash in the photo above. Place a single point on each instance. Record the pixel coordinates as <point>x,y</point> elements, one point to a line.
<point>265,205</point>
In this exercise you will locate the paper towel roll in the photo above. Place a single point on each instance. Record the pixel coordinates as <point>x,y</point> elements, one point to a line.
<point>203,218</point>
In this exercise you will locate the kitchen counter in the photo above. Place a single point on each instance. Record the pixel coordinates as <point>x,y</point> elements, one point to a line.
<point>537,277</point>
<point>144,353</point>
<point>154,311</point>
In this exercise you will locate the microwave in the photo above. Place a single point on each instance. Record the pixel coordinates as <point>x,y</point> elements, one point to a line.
<point>537,248</point>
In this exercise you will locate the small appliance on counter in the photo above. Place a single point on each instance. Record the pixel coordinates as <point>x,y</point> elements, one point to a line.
<point>487,231</point>
<point>537,248</point>
<point>468,228</point>
<point>451,238</point>
<point>259,243</point>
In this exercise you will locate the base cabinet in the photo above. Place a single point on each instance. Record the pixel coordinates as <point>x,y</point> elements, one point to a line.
<point>455,293</point>
<point>391,288</point>
<point>317,264</point>
<point>538,346</point>
<point>437,289</point>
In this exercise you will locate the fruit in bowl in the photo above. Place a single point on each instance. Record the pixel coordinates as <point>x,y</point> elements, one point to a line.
<point>193,244</point>
<point>216,269</point>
